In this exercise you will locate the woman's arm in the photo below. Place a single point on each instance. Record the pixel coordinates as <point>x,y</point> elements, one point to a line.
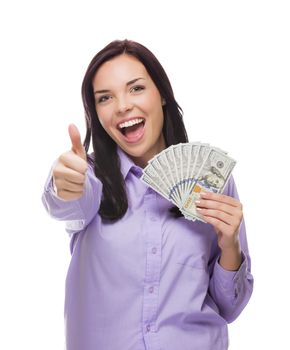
<point>77,213</point>
<point>231,282</point>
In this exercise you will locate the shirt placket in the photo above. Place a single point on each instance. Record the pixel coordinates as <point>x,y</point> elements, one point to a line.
<point>152,270</point>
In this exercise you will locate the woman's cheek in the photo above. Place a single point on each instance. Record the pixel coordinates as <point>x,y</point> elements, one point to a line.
<point>103,121</point>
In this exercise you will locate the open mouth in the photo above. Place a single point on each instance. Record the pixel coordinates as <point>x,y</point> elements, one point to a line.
<point>132,133</point>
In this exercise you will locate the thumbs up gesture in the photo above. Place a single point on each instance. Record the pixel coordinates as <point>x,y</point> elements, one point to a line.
<point>69,172</point>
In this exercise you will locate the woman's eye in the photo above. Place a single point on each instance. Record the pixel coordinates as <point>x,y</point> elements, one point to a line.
<point>106,97</point>
<point>103,99</point>
<point>138,88</point>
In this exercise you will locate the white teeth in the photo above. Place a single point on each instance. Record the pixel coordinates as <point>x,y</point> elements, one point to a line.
<point>130,123</point>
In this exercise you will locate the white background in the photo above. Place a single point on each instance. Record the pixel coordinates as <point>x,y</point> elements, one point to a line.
<point>228,62</point>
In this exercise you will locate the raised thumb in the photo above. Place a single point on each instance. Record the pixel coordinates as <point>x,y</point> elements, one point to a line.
<point>77,146</point>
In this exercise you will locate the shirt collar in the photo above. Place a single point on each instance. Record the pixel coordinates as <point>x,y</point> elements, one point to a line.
<point>127,164</point>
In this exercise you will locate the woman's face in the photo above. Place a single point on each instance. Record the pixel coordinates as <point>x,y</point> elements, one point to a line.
<point>125,95</point>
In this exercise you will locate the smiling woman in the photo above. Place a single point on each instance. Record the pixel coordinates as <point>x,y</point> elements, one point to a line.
<point>126,101</point>
<point>141,275</point>
<point>125,82</point>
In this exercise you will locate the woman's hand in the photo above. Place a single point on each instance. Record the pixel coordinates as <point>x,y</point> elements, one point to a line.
<point>225,214</point>
<point>69,172</point>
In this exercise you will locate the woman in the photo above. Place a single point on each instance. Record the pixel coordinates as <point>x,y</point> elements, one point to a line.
<point>141,275</point>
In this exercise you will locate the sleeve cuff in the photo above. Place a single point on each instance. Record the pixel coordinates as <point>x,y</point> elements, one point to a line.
<point>49,185</point>
<point>230,280</point>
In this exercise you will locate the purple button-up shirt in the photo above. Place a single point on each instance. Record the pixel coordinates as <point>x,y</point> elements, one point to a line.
<point>148,281</point>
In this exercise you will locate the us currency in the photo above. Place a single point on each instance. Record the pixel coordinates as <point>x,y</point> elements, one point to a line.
<point>173,171</point>
<point>160,165</point>
<point>177,157</point>
<point>168,153</point>
<point>200,157</point>
<point>151,178</point>
<point>186,160</point>
<point>190,152</point>
<point>212,177</point>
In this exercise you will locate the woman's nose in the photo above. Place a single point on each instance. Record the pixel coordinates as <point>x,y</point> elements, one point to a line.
<point>123,105</point>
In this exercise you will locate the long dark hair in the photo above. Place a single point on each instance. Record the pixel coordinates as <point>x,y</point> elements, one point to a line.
<point>106,162</point>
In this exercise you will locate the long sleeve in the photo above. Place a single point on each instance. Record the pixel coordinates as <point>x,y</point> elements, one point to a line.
<point>231,290</point>
<point>77,213</point>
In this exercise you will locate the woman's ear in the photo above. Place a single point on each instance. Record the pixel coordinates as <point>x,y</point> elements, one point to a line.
<point>163,101</point>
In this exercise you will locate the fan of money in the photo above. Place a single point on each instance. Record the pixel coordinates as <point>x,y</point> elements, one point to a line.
<point>181,172</point>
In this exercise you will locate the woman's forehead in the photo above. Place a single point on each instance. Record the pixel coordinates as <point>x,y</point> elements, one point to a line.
<point>120,69</point>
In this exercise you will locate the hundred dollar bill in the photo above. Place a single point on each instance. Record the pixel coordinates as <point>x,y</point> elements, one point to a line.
<point>178,160</point>
<point>192,217</point>
<point>212,177</point>
<point>160,165</point>
<point>168,157</point>
<point>174,171</point>
<point>199,159</point>
<point>151,178</point>
<point>189,153</point>
<point>185,155</point>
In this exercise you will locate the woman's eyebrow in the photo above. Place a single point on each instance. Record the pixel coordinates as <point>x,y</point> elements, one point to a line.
<point>127,84</point>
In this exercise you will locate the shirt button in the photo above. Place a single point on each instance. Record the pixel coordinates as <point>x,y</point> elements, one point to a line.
<point>148,327</point>
<point>154,250</point>
<point>151,289</point>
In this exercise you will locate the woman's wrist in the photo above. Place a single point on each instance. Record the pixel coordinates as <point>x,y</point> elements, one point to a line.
<point>231,258</point>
